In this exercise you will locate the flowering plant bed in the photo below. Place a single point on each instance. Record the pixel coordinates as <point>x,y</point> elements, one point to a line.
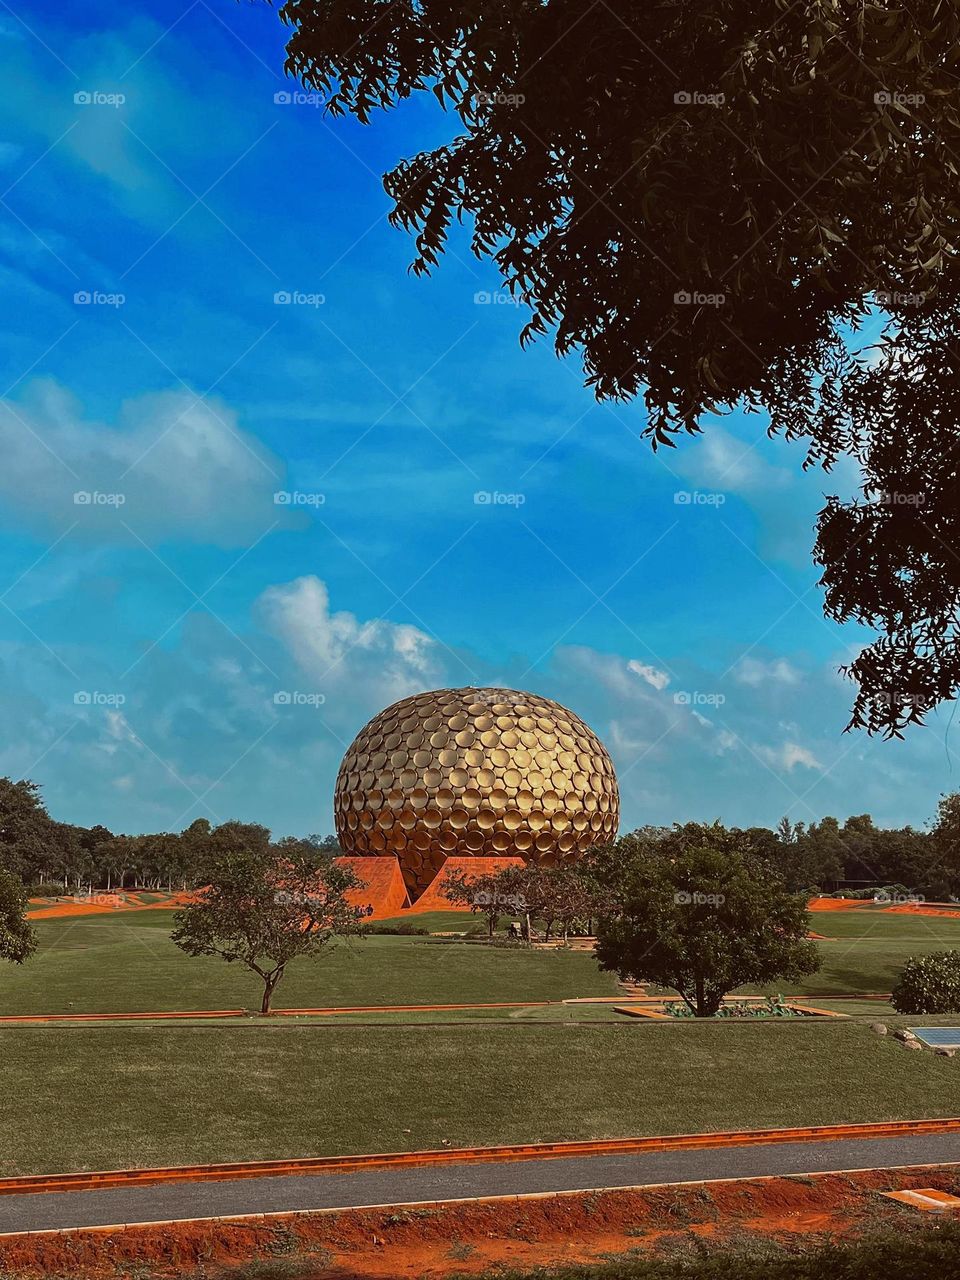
<point>752,1007</point>
<point>772,1007</point>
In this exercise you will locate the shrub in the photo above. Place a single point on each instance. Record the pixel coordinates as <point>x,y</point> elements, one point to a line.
<point>404,929</point>
<point>929,984</point>
<point>43,889</point>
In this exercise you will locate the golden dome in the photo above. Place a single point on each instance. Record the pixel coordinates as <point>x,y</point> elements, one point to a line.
<point>474,773</point>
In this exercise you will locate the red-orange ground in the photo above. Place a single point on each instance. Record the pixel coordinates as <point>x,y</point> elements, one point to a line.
<point>926,909</point>
<point>436,1240</point>
<point>834,904</point>
<point>103,903</point>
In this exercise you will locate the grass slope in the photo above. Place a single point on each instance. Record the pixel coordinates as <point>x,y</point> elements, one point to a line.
<point>122,964</point>
<point>110,1097</point>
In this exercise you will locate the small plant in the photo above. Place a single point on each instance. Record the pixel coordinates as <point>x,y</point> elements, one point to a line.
<point>460,1251</point>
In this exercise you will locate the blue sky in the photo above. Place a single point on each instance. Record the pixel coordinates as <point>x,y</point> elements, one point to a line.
<point>146,633</point>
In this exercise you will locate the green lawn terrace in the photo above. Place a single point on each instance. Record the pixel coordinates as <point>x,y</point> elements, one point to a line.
<point>124,961</point>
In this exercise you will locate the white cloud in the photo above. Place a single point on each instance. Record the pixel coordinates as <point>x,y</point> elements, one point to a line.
<point>788,756</point>
<point>175,467</point>
<point>754,672</point>
<point>723,462</point>
<point>384,659</point>
<point>655,678</point>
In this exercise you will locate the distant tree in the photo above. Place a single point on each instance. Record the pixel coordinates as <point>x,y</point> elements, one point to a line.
<point>707,200</point>
<point>696,912</point>
<point>492,894</point>
<point>567,899</point>
<point>266,905</point>
<point>944,867</point>
<point>328,845</point>
<point>17,938</point>
<point>817,857</point>
<point>32,844</point>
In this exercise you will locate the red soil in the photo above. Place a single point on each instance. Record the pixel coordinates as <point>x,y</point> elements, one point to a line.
<point>835,904</point>
<point>925,909</point>
<point>432,898</point>
<point>435,1240</point>
<point>103,904</point>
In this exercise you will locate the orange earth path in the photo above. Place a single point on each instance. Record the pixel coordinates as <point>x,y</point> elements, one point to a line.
<point>926,909</point>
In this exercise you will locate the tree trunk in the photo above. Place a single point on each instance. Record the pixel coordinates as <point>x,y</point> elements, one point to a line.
<point>270,981</point>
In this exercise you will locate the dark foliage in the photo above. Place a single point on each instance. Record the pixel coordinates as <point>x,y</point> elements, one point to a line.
<point>704,199</point>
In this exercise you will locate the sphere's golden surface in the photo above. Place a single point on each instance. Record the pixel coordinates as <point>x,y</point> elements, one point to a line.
<point>476,773</point>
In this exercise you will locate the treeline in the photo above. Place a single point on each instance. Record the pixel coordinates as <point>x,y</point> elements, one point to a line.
<point>58,856</point>
<point>824,856</point>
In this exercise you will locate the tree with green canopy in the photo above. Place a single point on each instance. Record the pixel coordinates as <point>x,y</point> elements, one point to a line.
<point>268,904</point>
<point>697,911</point>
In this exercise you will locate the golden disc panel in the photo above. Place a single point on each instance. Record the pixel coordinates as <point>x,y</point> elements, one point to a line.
<point>475,773</point>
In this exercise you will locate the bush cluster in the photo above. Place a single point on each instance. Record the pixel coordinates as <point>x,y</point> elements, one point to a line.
<point>929,984</point>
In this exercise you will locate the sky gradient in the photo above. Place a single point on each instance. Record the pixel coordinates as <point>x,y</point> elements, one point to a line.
<point>235,526</point>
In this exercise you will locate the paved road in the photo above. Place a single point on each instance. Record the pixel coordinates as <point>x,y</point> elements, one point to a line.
<point>48,1211</point>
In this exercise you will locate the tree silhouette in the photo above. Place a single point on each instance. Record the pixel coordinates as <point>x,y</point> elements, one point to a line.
<point>705,200</point>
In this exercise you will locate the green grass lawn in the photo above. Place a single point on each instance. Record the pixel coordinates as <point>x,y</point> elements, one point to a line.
<point>94,964</point>
<point>868,947</point>
<point>126,963</point>
<point>84,1097</point>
